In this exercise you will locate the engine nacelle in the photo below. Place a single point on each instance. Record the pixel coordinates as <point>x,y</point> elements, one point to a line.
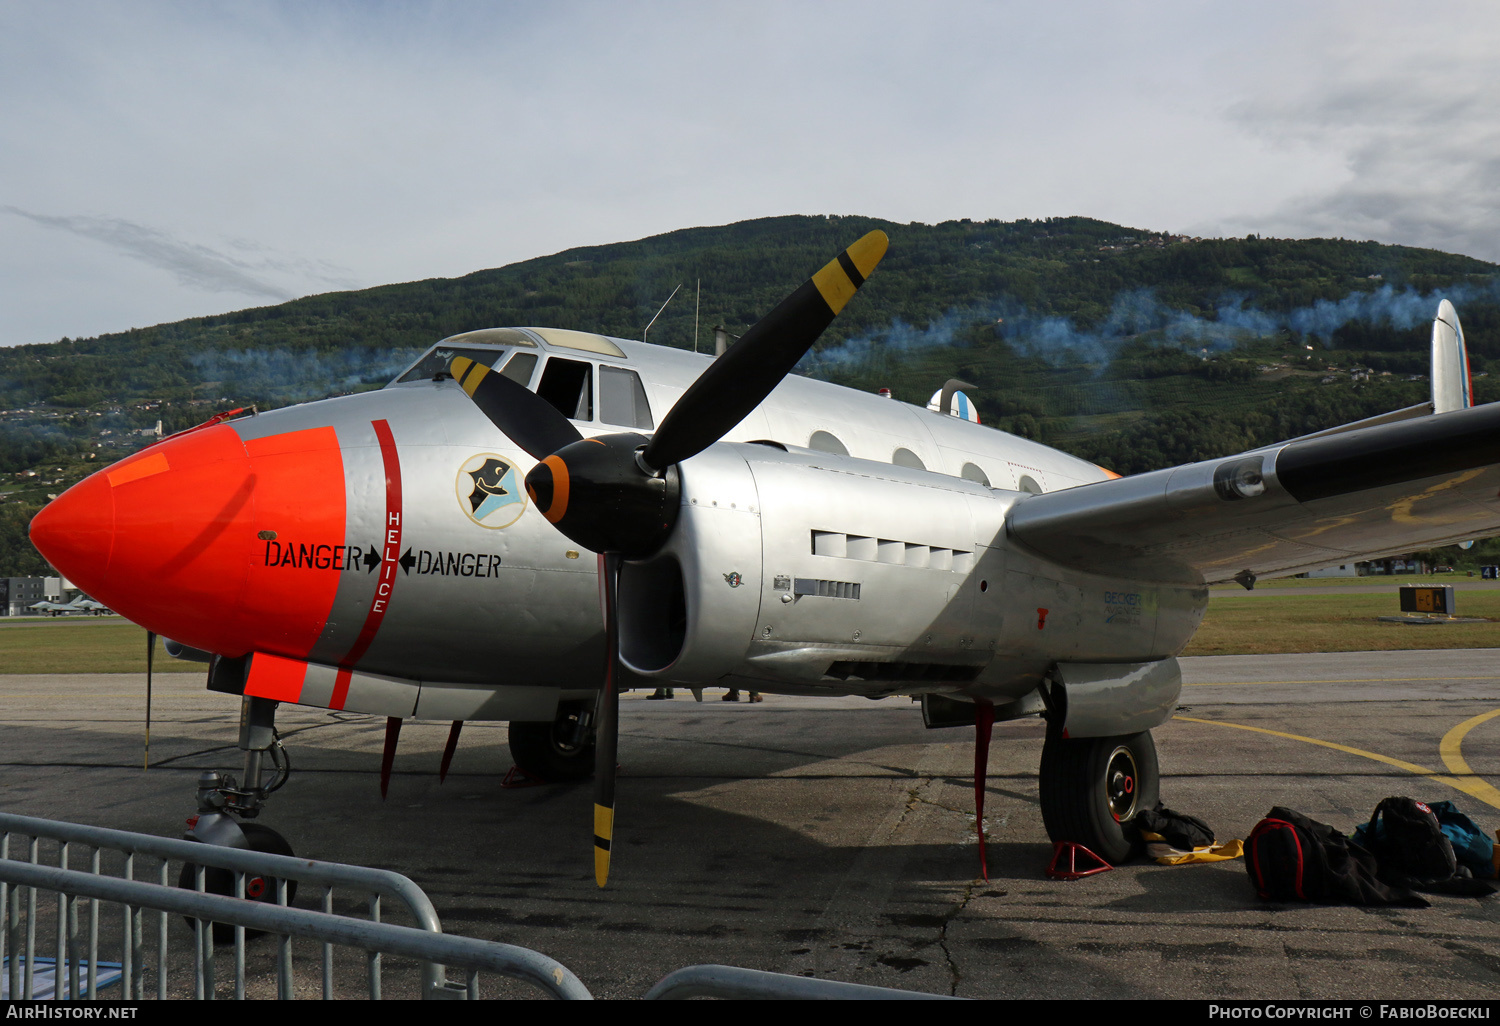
<point>816,570</point>
<point>688,613</point>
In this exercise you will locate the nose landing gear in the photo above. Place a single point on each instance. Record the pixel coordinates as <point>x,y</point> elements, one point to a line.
<point>223,802</point>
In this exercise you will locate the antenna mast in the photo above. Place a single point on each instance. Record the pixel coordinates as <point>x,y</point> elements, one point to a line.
<point>658,313</point>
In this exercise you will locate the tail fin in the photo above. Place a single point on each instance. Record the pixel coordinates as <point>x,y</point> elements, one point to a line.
<point>1451,386</point>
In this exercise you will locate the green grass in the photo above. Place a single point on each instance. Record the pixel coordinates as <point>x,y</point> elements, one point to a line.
<point>1246,625</point>
<point>105,644</point>
<point>1236,624</point>
<point>1394,581</point>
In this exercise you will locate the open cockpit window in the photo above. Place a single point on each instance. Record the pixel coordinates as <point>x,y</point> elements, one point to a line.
<point>436,360</point>
<point>569,386</point>
<point>622,399</point>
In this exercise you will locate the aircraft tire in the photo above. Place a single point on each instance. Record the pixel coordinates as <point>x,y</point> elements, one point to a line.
<point>545,750</point>
<point>221,881</point>
<point>1092,787</point>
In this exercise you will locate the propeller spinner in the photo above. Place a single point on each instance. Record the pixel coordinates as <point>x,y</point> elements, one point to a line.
<point>618,494</point>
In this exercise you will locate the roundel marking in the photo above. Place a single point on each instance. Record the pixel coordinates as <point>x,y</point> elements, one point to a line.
<point>490,490</point>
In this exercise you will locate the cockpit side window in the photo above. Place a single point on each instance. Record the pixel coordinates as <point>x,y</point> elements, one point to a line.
<point>569,386</point>
<point>520,368</point>
<point>437,359</point>
<point>622,398</point>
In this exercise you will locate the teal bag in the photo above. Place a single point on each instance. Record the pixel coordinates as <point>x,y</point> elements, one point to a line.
<point>1471,845</point>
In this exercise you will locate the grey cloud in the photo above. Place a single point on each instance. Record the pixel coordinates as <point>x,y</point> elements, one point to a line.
<point>192,264</point>
<point>1418,144</point>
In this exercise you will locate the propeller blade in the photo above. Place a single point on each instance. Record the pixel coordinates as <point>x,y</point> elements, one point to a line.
<point>150,654</point>
<point>607,728</point>
<point>526,418</point>
<point>738,381</point>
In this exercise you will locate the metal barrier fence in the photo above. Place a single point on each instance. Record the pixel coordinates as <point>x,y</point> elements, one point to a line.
<point>78,974</point>
<point>75,970</point>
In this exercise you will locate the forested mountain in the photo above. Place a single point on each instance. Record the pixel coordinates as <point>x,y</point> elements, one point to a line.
<point>1134,349</point>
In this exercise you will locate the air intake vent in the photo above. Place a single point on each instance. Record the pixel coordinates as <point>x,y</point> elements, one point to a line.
<point>890,550</point>
<point>826,589</point>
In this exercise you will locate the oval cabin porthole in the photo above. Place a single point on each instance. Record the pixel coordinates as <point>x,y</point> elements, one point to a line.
<point>825,442</point>
<point>1028,484</point>
<point>973,473</point>
<point>907,458</point>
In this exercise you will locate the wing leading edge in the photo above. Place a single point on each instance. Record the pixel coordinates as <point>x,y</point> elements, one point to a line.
<point>1307,503</point>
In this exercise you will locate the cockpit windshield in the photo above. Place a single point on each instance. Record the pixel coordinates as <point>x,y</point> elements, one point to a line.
<point>437,359</point>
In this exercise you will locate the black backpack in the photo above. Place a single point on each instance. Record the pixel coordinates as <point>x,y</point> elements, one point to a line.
<point>1405,837</point>
<point>1292,858</point>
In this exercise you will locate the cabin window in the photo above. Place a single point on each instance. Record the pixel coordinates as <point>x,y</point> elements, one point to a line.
<point>520,368</point>
<point>907,458</point>
<point>1028,484</point>
<point>825,442</point>
<point>569,386</point>
<point>969,473</point>
<point>436,360</point>
<point>622,398</point>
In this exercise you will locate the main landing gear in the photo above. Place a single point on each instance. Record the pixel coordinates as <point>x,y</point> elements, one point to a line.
<point>1092,787</point>
<point>223,802</point>
<point>559,751</point>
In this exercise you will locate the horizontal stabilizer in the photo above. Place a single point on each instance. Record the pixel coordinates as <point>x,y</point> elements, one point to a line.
<point>1358,494</point>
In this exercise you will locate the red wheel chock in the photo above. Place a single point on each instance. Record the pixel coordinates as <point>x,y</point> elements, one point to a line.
<point>517,777</point>
<point>1070,871</point>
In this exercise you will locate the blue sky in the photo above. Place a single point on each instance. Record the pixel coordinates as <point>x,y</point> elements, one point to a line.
<point>162,160</point>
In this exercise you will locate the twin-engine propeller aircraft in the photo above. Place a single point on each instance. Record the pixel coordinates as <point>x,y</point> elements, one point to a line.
<point>437,549</point>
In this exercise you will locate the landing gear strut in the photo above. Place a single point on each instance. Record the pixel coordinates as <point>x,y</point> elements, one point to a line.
<point>1092,787</point>
<point>223,801</point>
<point>560,751</point>
<point>220,794</point>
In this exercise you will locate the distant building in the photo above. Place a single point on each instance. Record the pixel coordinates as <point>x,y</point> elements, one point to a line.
<point>16,593</point>
<point>1407,564</point>
<point>1341,570</point>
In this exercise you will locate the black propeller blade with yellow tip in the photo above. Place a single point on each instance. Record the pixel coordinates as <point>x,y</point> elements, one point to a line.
<point>618,494</point>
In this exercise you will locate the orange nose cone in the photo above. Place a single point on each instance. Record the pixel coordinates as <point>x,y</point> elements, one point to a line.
<point>224,544</point>
<point>75,532</point>
<point>160,537</point>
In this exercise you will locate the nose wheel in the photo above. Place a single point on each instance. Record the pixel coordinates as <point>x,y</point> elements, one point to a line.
<point>1093,787</point>
<point>258,887</point>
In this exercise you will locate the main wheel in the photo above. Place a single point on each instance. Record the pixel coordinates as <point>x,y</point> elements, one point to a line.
<point>546,749</point>
<point>257,888</point>
<point>1092,787</point>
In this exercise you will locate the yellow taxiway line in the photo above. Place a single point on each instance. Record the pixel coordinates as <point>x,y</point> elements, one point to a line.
<point>1465,781</point>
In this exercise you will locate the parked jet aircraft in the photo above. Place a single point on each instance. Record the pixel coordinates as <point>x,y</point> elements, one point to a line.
<point>436,549</point>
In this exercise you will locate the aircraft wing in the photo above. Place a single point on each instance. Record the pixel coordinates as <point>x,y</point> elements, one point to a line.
<point>1355,494</point>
